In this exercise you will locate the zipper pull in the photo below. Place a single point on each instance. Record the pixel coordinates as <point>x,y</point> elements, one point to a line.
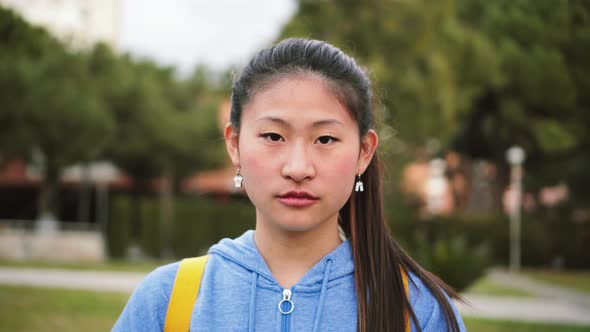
<point>287,298</point>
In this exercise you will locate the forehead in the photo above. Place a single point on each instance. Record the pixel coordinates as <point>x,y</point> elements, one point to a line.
<point>298,99</point>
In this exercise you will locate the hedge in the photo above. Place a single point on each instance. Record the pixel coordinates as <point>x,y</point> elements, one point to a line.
<point>457,248</point>
<point>198,223</point>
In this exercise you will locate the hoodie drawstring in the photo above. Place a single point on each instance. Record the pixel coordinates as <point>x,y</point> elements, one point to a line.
<point>318,314</point>
<point>253,302</point>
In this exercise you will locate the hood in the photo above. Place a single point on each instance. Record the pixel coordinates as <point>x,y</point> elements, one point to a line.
<point>243,252</point>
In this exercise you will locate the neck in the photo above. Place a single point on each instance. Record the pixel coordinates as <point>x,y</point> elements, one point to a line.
<point>290,254</point>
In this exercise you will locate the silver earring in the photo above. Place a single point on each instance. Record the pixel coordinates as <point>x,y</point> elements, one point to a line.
<point>359,184</point>
<point>238,179</point>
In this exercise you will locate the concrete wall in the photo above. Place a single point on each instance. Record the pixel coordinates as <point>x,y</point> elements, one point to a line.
<point>62,246</point>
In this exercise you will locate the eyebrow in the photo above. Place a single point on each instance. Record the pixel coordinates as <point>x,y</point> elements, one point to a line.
<point>282,122</point>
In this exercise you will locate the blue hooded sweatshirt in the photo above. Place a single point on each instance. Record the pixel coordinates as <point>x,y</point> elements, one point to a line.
<point>239,293</point>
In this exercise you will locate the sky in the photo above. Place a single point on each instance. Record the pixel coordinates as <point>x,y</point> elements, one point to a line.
<point>217,33</point>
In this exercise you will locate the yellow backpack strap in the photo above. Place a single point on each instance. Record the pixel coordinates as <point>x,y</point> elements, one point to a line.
<point>407,291</point>
<point>184,294</point>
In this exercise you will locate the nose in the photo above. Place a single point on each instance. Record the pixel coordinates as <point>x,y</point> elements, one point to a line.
<point>298,165</point>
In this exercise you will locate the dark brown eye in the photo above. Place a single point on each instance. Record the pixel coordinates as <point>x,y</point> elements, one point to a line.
<point>272,136</point>
<point>325,139</point>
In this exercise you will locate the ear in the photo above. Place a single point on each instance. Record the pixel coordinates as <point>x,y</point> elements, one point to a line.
<point>231,143</point>
<point>368,147</point>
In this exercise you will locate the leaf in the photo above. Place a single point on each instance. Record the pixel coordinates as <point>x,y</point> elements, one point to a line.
<point>553,136</point>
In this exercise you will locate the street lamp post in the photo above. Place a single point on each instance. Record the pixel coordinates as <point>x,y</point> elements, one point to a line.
<point>515,156</point>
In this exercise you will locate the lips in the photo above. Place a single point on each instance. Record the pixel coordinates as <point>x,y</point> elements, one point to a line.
<point>298,198</point>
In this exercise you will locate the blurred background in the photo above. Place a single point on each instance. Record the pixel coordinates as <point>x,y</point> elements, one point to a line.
<point>112,160</point>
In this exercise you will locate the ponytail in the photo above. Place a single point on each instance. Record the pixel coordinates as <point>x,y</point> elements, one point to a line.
<point>379,262</point>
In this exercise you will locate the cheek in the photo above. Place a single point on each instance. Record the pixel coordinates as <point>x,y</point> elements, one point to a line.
<point>341,172</point>
<point>254,161</point>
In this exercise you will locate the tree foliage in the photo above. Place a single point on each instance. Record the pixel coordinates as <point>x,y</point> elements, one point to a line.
<point>477,75</point>
<point>83,105</point>
<point>49,102</point>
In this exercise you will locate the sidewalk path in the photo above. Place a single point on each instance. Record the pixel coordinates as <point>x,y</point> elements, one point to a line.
<point>540,289</point>
<point>71,279</point>
<point>554,304</point>
<point>525,309</point>
<point>550,304</point>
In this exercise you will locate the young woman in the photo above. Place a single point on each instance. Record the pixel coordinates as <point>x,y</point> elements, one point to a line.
<point>302,139</point>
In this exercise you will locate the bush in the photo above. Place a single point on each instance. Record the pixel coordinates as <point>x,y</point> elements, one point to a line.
<point>150,237</point>
<point>117,228</point>
<point>548,238</point>
<point>566,241</point>
<point>452,259</point>
<point>199,222</point>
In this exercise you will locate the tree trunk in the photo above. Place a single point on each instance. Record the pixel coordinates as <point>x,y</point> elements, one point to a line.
<point>136,210</point>
<point>134,252</point>
<point>167,211</point>
<point>48,199</point>
<point>84,194</point>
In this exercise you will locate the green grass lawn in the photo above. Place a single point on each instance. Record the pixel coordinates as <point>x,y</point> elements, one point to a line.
<point>575,280</point>
<point>123,266</point>
<point>484,286</point>
<point>42,310</point>
<point>486,325</point>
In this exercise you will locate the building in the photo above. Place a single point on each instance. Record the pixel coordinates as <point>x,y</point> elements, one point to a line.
<point>80,23</point>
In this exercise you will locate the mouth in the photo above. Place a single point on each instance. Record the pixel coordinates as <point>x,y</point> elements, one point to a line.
<point>298,199</point>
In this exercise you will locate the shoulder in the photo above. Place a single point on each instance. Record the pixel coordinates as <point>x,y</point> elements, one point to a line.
<point>426,307</point>
<point>146,308</point>
<point>158,283</point>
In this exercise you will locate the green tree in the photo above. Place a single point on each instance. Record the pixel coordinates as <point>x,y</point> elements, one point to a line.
<point>21,46</point>
<point>542,100</point>
<point>163,125</point>
<point>50,103</point>
<point>477,75</point>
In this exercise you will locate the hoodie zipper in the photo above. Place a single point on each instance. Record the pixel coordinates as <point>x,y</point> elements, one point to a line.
<point>286,307</point>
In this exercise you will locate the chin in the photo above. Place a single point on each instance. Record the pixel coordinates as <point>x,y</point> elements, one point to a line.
<point>296,227</point>
<point>297,224</point>
<point>294,221</point>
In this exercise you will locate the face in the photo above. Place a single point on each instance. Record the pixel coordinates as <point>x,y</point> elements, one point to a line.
<point>299,152</point>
